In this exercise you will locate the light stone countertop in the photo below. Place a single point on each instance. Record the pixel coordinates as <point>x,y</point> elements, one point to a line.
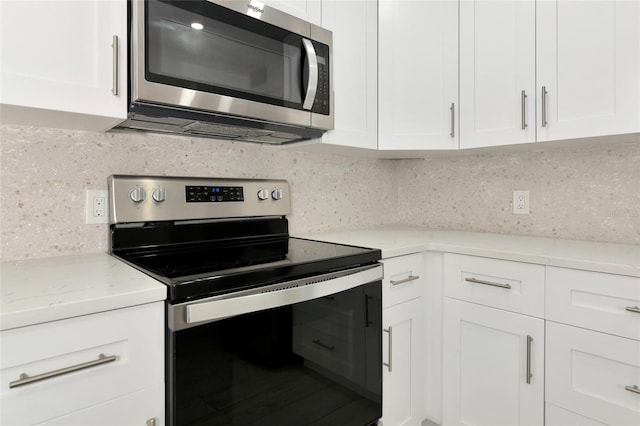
<point>54,288</point>
<point>623,259</point>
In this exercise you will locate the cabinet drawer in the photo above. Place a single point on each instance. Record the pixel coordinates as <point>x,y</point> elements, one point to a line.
<point>588,372</point>
<point>603,302</point>
<point>131,410</point>
<point>404,279</point>
<point>503,284</point>
<point>132,338</point>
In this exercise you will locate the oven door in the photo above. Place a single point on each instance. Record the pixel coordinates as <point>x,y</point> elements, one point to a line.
<point>224,57</point>
<point>312,362</point>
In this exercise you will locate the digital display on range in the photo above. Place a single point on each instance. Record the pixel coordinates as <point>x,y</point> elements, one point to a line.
<point>214,194</point>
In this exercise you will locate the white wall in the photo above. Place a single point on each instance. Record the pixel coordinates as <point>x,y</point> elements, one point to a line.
<point>582,193</point>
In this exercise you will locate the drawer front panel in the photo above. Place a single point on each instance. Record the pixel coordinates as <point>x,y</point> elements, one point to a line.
<point>503,284</point>
<point>603,302</point>
<point>593,374</point>
<point>132,337</point>
<point>404,279</point>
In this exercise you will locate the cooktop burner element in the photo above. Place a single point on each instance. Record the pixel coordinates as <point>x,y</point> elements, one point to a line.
<point>204,237</point>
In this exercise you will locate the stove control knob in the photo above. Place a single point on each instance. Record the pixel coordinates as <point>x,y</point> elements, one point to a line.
<point>138,195</point>
<point>159,195</point>
<point>276,194</point>
<point>263,194</point>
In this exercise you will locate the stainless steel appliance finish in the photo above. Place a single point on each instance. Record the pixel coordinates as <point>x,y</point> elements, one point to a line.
<point>261,327</point>
<point>190,103</point>
<point>161,198</point>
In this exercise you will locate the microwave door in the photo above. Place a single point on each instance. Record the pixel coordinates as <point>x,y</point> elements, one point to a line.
<point>310,74</point>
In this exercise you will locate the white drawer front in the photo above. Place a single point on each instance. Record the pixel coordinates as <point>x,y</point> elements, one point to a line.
<point>131,410</point>
<point>598,301</point>
<point>503,284</point>
<point>404,279</point>
<point>587,373</point>
<point>135,336</point>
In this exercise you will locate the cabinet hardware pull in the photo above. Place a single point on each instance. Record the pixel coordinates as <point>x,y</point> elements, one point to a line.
<point>405,280</point>
<point>523,96</point>
<point>389,351</point>
<point>114,48</point>
<point>529,374</point>
<point>544,106</point>
<point>477,281</point>
<point>25,379</point>
<point>322,345</point>
<point>152,422</point>
<point>453,120</point>
<point>634,389</point>
<point>635,309</point>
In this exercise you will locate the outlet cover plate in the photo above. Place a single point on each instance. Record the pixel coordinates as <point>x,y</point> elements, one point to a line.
<point>97,206</point>
<point>520,202</point>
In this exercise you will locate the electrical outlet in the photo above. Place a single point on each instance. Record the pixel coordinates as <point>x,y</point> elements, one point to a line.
<point>96,206</point>
<point>520,202</point>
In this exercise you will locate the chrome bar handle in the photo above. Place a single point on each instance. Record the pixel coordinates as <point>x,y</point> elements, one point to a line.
<point>635,309</point>
<point>390,332</point>
<point>634,389</point>
<point>405,280</point>
<point>453,120</point>
<point>152,422</point>
<point>544,106</point>
<point>114,48</point>
<point>477,281</point>
<point>312,84</point>
<point>529,375</point>
<point>323,345</point>
<point>25,379</point>
<point>523,100</point>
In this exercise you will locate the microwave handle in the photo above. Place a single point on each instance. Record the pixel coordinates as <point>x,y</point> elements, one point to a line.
<point>311,65</point>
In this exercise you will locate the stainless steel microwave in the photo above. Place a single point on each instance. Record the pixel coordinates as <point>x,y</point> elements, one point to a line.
<point>232,69</point>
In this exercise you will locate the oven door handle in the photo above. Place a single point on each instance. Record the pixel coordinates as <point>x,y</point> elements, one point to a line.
<point>190,314</point>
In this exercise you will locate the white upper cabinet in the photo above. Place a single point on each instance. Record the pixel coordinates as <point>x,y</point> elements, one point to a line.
<point>309,10</point>
<point>58,65</point>
<point>497,72</point>
<point>417,75</point>
<point>355,27</point>
<point>589,65</point>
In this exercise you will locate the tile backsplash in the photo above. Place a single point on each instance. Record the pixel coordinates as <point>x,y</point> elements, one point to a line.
<point>580,192</point>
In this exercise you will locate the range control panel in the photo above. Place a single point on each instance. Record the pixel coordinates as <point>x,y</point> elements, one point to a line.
<point>214,194</point>
<point>160,198</point>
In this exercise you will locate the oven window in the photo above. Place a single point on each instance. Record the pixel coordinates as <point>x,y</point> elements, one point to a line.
<point>316,362</point>
<point>202,46</point>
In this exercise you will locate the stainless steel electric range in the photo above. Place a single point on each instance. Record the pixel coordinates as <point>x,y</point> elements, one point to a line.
<point>261,328</point>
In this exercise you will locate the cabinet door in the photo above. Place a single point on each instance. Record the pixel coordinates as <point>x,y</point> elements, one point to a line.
<point>497,72</point>
<point>57,56</point>
<point>588,61</point>
<point>487,360</point>
<point>402,358</point>
<point>593,374</point>
<point>354,25</point>
<point>309,10</point>
<point>418,74</point>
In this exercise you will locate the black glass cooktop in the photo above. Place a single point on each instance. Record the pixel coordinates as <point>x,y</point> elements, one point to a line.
<point>202,260</point>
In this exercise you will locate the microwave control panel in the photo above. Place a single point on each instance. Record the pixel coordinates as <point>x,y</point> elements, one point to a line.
<point>321,105</point>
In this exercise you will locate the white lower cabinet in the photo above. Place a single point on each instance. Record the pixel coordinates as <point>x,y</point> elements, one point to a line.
<point>493,366</point>
<point>594,374</point>
<point>402,341</point>
<point>402,372</point>
<point>100,369</point>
